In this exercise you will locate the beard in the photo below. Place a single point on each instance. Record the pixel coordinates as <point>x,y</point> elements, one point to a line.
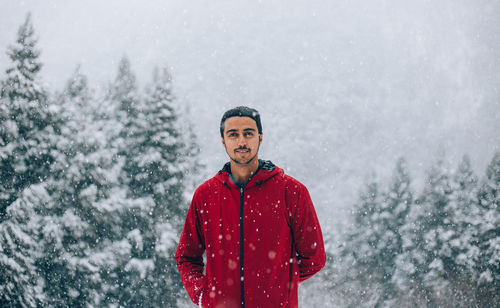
<point>247,161</point>
<point>239,162</point>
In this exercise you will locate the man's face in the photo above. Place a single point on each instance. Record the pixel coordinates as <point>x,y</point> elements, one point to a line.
<point>241,139</point>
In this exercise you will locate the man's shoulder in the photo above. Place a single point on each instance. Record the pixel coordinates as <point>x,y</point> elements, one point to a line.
<point>290,180</point>
<point>290,183</point>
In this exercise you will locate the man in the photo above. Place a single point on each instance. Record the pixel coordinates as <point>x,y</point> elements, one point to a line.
<point>257,225</point>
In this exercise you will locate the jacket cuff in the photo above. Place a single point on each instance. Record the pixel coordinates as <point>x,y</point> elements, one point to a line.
<point>199,299</point>
<point>196,291</point>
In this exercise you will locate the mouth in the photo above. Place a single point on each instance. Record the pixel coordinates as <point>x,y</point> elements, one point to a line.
<point>242,150</point>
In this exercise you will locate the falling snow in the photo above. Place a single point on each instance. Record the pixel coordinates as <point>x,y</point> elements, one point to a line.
<point>97,172</point>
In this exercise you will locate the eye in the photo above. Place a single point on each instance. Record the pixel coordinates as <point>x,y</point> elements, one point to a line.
<point>249,134</point>
<point>232,134</point>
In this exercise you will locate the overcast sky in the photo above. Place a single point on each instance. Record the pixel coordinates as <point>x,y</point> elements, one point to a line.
<point>344,87</point>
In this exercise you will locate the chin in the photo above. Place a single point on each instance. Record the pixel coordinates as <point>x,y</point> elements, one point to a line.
<point>245,162</point>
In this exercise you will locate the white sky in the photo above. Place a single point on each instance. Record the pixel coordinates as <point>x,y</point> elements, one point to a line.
<point>344,87</point>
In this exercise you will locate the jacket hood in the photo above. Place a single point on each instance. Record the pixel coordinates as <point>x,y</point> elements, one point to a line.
<point>266,171</point>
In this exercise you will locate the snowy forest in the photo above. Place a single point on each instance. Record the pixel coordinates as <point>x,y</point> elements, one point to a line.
<point>95,186</point>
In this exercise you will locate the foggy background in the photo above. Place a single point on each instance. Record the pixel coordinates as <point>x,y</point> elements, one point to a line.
<point>344,88</point>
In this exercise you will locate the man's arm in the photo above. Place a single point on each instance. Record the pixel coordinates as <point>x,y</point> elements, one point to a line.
<point>189,254</point>
<point>307,235</point>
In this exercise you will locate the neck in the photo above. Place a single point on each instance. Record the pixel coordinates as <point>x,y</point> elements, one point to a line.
<point>242,173</point>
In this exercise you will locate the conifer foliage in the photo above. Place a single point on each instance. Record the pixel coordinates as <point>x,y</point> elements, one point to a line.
<point>488,233</point>
<point>27,152</point>
<point>92,198</point>
<point>22,77</point>
<point>26,123</point>
<point>440,249</point>
<point>92,188</point>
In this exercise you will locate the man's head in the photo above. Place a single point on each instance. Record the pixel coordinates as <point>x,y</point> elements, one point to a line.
<point>241,133</point>
<point>241,111</point>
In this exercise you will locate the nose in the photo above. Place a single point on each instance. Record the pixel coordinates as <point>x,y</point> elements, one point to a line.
<point>241,141</point>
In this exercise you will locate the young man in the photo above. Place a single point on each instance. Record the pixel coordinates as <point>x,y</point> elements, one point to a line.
<point>257,225</point>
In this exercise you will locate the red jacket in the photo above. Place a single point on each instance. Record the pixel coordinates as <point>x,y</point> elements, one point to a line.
<point>260,241</point>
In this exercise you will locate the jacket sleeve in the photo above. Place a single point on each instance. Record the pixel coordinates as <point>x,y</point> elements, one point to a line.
<point>307,235</point>
<point>189,254</point>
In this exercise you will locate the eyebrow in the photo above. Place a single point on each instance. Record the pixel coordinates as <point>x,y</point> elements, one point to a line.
<point>236,130</point>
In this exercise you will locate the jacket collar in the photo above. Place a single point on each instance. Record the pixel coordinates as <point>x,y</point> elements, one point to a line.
<point>265,171</point>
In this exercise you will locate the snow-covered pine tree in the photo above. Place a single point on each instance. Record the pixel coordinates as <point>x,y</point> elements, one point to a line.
<point>155,152</point>
<point>363,236</point>
<point>488,236</point>
<point>459,249</point>
<point>105,213</point>
<point>26,125</point>
<point>421,269</point>
<point>154,169</point>
<point>193,174</point>
<point>123,100</point>
<point>124,89</point>
<point>21,285</point>
<point>359,255</point>
<point>22,77</point>
<point>394,209</point>
<point>376,239</point>
<point>28,130</point>
<point>75,113</point>
<point>81,178</point>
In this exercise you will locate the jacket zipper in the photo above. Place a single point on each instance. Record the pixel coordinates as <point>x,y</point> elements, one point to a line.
<point>242,249</point>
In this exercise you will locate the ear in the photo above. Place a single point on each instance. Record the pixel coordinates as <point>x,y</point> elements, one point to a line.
<point>223,142</point>
<point>260,138</point>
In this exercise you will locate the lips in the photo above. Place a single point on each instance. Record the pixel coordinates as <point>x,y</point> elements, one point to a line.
<point>242,150</point>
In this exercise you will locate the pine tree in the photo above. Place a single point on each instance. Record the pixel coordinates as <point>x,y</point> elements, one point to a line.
<point>360,250</point>
<point>27,149</point>
<point>393,214</point>
<point>192,174</point>
<point>118,110</point>
<point>22,78</point>
<point>81,174</point>
<point>421,267</point>
<point>20,233</point>
<point>155,161</point>
<point>488,235</point>
<point>26,125</point>
<point>364,234</point>
<point>457,252</point>
<point>156,153</point>
<point>376,241</point>
<point>463,208</point>
<point>124,97</point>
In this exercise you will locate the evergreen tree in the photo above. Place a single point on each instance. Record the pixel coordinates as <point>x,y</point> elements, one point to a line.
<point>118,111</point>
<point>463,208</point>
<point>437,222</point>
<point>20,233</point>
<point>393,214</point>
<point>26,125</point>
<point>376,241</point>
<point>79,178</point>
<point>124,99</point>
<point>457,252</point>
<point>421,268</point>
<point>364,236</point>
<point>192,175</point>
<point>360,251</point>
<point>155,161</point>
<point>488,235</point>
<point>156,154</point>
<point>22,77</point>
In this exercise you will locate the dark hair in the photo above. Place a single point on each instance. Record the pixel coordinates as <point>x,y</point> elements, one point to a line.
<point>241,111</point>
